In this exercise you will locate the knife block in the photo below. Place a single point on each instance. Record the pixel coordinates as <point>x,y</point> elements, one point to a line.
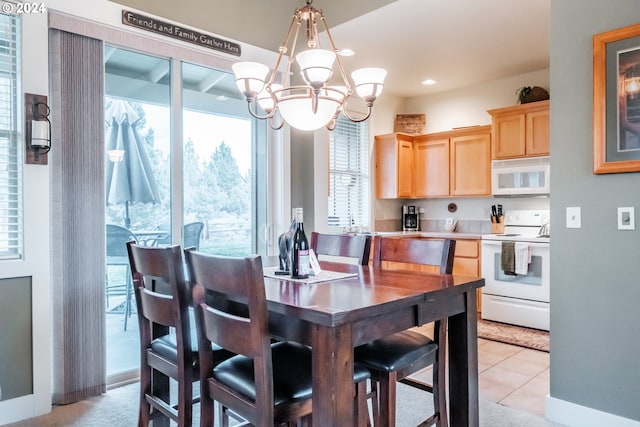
<point>498,227</point>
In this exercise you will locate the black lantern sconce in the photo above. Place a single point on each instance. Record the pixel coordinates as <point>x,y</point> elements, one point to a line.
<point>38,129</point>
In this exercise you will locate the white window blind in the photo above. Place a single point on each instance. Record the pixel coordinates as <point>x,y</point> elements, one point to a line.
<point>349,174</point>
<point>10,146</point>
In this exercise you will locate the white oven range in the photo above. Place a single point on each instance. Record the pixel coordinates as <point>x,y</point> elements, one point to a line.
<point>519,299</point>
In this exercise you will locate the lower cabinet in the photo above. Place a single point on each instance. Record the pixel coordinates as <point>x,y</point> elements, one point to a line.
<point>467,262</point>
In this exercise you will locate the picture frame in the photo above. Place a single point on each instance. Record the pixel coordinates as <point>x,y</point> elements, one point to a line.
<point>616,101</point>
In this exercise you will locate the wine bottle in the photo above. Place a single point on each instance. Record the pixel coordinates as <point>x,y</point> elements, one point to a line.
<point>300,250</point>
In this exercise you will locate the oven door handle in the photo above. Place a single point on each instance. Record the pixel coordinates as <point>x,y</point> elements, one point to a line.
<point>498,243</point>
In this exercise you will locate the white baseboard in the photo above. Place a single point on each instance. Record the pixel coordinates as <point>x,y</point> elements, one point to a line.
<point>574,415</point>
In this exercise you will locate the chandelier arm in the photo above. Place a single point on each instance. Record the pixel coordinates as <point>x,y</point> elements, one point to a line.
<point>283,49</point>
<point>275,127</point>
<point>357,119</point>
<point>253,112</point>
<point>335,49</point>
<point>332,124</point>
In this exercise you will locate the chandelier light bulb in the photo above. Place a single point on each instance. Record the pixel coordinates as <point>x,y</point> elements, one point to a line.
<point>316,66</point>
<point>250,77</point>
<point>369,82</point>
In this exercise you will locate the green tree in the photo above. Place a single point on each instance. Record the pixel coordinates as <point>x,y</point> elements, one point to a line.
<point>235,191</point>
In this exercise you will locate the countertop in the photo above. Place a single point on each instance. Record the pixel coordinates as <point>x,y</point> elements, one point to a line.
<point>434,234</point>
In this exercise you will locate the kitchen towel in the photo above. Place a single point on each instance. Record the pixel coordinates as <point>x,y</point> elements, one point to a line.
<point>522,257</point>
<point>509,258</point>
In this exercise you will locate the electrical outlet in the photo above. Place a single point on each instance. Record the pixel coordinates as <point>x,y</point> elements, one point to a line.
<point>626,218</point>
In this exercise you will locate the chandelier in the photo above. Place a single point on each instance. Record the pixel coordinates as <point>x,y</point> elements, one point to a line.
<point>316,103</point>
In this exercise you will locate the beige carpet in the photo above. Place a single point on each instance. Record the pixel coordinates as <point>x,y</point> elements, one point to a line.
<point>118,408</point>
<point>516,335</point>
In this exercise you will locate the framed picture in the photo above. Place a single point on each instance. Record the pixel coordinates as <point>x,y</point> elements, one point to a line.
<point>616,101</point>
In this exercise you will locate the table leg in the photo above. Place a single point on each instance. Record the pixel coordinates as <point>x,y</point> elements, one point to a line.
<point>463,365</point>
<point>332,375</point>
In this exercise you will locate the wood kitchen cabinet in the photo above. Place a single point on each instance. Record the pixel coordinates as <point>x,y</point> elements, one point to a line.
<point>431,163</point>
<point>521,130</point>
<point>451,163</point>
<point>471,162</point>
<point>394,166</point>
<point>467,261</point>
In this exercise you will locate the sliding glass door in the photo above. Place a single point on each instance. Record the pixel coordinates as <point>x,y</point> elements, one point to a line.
<point>185,165</point>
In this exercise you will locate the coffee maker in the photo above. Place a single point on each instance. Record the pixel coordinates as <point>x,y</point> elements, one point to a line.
<point>410,218</point>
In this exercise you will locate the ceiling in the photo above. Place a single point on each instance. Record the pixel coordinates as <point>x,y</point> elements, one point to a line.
<point>458,43</point>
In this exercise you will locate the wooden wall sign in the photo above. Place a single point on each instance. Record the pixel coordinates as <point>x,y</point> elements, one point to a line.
<point>178,32</point>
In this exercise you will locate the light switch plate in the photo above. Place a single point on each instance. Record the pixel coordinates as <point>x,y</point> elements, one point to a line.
<point>626,218</point>
<point>574,219</point>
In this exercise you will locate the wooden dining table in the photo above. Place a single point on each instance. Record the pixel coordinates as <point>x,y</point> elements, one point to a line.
<point>336,315</point>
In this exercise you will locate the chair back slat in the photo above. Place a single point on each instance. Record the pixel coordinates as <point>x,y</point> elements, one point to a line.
<point>439,253</point>
<point>342,245</point>
<point>157,307</point>
<point>224,328</point>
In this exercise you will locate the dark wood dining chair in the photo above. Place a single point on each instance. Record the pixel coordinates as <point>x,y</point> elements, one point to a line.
<point>266,383</point>
<point>356,246</point>
<point>393,358</point>
<point>162,300</point>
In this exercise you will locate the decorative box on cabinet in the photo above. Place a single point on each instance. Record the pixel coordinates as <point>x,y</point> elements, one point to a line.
<point>521,130</point>
<point>394,165</point>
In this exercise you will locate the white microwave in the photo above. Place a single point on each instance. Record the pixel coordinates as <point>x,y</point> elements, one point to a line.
<point>520,177</point>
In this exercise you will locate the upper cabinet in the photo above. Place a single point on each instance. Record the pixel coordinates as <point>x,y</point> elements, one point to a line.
<point>394,166</point>
<point>471,162</point>
<point>431,156</point>
<point>452,163</point>
<point>521,130</point>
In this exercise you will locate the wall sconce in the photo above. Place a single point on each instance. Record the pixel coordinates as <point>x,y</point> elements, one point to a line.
<point>38,129</point>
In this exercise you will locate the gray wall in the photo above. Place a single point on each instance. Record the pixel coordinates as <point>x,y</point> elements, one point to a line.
<point>595,292</point>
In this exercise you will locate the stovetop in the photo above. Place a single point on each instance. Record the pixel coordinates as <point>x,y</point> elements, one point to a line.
<point>522,226</point>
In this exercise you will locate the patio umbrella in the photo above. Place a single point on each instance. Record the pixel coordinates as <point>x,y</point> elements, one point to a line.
<point>129,176</point>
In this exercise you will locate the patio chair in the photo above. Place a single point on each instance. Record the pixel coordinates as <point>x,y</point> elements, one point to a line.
<point>117,238</point>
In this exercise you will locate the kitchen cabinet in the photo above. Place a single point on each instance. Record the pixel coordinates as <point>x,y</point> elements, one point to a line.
<point>431,161</point>
<point>467,262</point>
<point>394,166</point>
<point>471,163</point>
<point>521,130</point>
<point>451,163</point>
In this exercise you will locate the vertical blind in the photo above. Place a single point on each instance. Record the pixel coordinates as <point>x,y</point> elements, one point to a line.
<point>349,174</point>
<point>10,148</point>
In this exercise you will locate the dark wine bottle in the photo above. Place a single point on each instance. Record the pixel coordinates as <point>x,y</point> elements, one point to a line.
<point>300,250</point>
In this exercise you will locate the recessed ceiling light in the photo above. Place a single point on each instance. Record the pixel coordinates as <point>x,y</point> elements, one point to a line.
<point>346,52</point>
<point>429,82</point>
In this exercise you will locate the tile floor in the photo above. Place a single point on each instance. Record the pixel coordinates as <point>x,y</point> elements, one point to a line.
<point>512,376</point>
<point>509,375</point>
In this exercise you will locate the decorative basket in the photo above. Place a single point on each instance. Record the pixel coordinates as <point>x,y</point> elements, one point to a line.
<point>528,94</point>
